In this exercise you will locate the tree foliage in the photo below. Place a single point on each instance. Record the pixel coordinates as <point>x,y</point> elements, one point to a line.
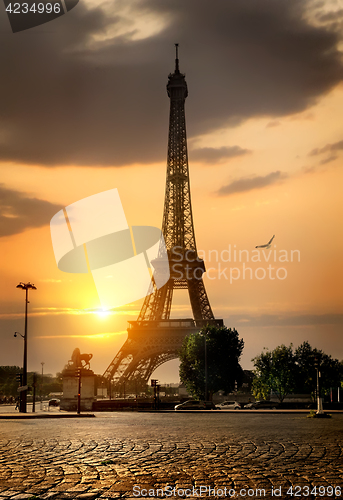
<point>331,370</point>
<point>274,370</point>
<point>224,349</point>
<point>285,371</point>
<point>9,384</point>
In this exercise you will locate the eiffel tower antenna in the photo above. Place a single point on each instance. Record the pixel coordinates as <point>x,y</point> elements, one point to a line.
<point>155,338</point>
<point>177,58</point>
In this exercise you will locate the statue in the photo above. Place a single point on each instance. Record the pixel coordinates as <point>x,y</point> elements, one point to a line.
<point>86,358</point>
<point>77,358</point>
<point>76,370</point>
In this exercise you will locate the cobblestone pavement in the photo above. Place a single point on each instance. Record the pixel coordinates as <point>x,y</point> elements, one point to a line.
<point>118,455</point>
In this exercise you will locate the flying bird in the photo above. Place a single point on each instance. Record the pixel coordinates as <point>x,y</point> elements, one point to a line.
<point>268,244</point>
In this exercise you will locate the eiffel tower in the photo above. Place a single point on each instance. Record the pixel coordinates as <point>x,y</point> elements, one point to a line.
<point>155,338</point>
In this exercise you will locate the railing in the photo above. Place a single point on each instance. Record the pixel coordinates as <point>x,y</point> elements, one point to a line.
<point>175,323</point>
<point>164,323</point>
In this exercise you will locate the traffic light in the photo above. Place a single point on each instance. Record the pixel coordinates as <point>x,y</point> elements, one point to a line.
<point>19,378</point>
<point>154,382</point>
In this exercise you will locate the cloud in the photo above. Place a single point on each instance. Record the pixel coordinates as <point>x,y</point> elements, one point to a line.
<point>214,155</point>
<point>328,159</point>
<point>309,170</point>
<point>19,212</point>
<point>50,280</point>
<point>336,146</point>
<point>293,320</point>
<point>331,16</point>
<point>250,183</point>
<point>274,123</point>
<point>128,310</point>
<point>89,89</point>
<point>89,336</point>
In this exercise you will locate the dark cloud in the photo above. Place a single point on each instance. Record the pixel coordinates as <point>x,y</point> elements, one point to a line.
<point>214,155</point>
<point>250,183</point>
<point>336,146</point>
<point>69,99</point>
<point>329,159</point>
<point>331,16</point>
<point>18,212</point>
<point>287,320</point>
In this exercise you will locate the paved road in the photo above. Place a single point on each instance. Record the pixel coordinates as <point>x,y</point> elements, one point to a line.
<point>131,455</point>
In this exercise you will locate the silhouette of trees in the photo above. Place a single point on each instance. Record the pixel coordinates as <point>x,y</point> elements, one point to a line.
<point>223,348</point>
<point>285,371</point>
<point>331,370</point>
<point>9,383</point>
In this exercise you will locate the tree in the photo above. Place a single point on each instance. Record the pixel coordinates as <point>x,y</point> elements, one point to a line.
<point>8,382</point>
<point>284,371</point>
<point>223,351</point>
<point>274,371</point>
<point>331,370</point>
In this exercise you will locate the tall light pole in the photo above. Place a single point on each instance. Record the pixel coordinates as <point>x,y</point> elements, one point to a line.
<point>23,399</point>
<point>205,367</point>
<point>41,388</point>
<point>319,400</point>
<point>205,339</point>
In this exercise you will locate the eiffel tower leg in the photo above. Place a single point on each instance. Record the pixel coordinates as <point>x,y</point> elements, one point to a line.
<point>143,368</point>
<point>147,348</point>
<point>199,301</point>
<point>121,361</point>
<point>158,304</point>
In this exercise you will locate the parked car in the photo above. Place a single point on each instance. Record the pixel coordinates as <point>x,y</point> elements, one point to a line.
<point>195,405</point>
<point>228,405</point>
<point>262,405</point>
<point>54,402</point>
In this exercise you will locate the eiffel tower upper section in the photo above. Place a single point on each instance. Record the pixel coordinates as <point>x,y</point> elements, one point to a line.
<point>177,227</point>
<point>186,268</point>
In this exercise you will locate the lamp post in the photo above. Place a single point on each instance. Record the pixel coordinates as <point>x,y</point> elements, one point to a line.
<point>41,387</point>
<point>25,286</point>
<point>205,339</point>
<point>319,400</point>
<point>205,367</point>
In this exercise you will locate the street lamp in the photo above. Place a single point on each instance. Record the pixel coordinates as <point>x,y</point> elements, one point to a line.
<point>205,339</point>
<point>25,286</point>
<point>319,399</point>
<point>41,388</point>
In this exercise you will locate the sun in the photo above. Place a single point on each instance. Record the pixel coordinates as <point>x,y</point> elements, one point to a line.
<point>103,313</point>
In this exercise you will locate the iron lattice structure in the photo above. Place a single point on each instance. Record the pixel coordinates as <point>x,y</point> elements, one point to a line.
<point>154,338</point>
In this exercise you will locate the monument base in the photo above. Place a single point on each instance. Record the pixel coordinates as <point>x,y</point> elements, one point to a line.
<point>70,390</point>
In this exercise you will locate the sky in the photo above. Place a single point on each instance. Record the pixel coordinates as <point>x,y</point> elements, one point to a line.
<point>84,109</point>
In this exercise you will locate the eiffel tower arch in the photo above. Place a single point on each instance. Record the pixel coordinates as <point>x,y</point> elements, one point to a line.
<point>155,338</point>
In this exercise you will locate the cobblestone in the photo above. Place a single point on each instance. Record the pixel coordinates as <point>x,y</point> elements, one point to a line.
<point>106,458</point>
